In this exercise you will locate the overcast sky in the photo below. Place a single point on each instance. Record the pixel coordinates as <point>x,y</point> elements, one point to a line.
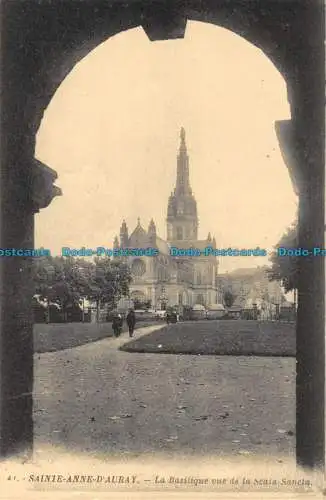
<point>111,132</point>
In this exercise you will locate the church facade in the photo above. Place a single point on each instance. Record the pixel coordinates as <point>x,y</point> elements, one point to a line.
<point>164,279</point>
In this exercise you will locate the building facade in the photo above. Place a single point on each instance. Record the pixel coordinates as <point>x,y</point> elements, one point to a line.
<point>251,286</point>
<point>167,280</point>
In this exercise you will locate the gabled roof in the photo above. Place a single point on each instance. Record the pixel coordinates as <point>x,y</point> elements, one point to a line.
<point>139,230</point>
<point>139,235</point>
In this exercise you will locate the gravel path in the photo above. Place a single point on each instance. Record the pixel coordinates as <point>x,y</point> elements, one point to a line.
<point>101,400</point>
<point>59,336</point>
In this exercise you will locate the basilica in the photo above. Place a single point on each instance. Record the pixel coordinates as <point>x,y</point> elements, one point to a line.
<point>167,280</point>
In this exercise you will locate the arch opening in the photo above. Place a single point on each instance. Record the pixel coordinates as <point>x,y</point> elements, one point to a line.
<point>121,142</point>
<point>107,142</point>
<point>304,98</point>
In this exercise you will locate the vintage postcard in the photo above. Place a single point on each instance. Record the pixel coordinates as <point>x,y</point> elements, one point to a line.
<point>162,255</point>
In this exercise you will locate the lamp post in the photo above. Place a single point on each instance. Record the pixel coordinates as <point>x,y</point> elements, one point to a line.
<point>295,299</point>
<point>116,290</point>
<point>255,311</point>
<point>83,310</point>
<point>50,274</point>
<point>163,298</point>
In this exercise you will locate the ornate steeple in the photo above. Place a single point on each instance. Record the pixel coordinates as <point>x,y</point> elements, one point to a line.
<point>151,227</point>
<point>124,235</point>
<point>183,185</point>
<point>182,220</point>
<point>152,232</point>
<point>116,245</point>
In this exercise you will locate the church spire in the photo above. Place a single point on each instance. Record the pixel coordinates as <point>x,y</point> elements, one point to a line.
<point>182,220</point>
<point>183,147</point>
<point>183,185</point>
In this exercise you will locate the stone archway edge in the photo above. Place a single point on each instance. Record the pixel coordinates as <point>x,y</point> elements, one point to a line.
<point>41,44</point>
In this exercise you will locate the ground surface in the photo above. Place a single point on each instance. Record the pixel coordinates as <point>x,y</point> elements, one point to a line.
<point>103,401</point>
<point>233,337</point>
<point>58,336</point>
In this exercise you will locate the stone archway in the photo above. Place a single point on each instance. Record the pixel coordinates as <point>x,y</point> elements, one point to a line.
<point>40,47</point>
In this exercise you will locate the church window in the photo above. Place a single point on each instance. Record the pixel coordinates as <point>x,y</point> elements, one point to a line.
<point>200,299</point>
<point>138,267</point>
<point>179,233</point>
<point>180,209</point>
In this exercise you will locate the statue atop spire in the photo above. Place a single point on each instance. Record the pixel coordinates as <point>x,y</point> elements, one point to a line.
<point>183,146</point>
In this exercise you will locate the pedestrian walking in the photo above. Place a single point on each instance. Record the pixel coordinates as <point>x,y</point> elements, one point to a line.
<point>117,323</point>
<point>131,321</point>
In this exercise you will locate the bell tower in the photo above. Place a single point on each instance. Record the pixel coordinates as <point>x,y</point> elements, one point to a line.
<point>182,220</point>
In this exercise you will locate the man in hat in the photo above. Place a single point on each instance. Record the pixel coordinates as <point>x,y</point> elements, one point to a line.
<point>131,321</point>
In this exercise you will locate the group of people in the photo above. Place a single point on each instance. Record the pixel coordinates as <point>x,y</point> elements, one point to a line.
<point>117,323</point>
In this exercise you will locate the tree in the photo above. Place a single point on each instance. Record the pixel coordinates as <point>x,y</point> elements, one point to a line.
<point>108,282</point>
<point>228,298</point>
<point>286,269</point>
<point>67,280</point>
<point>56,279</point>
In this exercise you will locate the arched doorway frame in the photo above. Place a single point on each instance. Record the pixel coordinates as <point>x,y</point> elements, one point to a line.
<point>40,47</point>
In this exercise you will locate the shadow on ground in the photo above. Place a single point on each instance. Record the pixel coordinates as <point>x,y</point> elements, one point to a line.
<point>107,402</point>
